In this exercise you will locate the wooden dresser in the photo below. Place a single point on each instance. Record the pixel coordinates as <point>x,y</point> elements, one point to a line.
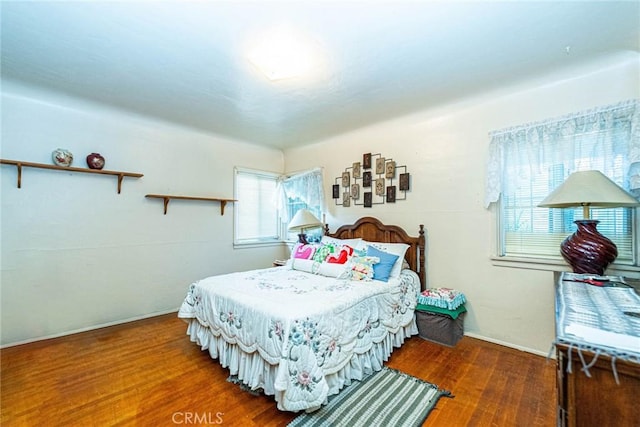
<point>598,353</point>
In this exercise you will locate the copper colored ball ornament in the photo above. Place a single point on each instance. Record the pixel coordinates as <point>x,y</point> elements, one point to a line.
<point>95,161</point>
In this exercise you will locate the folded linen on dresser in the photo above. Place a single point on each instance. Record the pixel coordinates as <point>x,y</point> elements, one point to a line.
<point>597,316</point>
<point>442,297</point>
<point>598,336</point>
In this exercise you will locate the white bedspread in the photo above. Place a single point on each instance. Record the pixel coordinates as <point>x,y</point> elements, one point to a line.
<point>298,336</point>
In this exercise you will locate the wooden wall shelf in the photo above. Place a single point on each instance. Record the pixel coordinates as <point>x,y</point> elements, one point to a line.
<point>20,165</point>
<point>167,197</point>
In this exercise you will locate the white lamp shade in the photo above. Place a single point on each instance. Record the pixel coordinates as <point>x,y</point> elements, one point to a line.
<point>588,188</point>
<point>304,219</point>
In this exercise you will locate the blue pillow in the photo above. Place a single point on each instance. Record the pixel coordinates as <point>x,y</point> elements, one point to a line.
<point>382,270</point>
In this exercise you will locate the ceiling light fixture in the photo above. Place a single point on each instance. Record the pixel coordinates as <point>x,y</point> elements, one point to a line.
<point>283,53</point>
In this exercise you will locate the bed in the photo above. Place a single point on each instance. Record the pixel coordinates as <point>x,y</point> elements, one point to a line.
<point>300,333</point>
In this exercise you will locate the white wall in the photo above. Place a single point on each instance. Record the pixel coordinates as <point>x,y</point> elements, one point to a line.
<point>75,254</point>
<point>445,151</point>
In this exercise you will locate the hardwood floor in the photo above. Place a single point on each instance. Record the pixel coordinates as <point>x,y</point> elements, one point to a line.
<point>148,373</point>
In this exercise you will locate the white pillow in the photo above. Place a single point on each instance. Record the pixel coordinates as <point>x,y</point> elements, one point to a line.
<point>339,271</point>
<point>393,248</point>
<point>354,243</point>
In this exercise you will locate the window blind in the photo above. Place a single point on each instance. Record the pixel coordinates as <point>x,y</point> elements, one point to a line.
<point>256,213</point>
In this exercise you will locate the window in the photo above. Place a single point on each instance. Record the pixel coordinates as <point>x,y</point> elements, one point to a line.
<point>268,201</point>
<point>256,216</point>
<point>528,162</point>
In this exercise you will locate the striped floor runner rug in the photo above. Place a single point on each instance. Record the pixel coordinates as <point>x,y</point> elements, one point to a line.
<point>385,398</point>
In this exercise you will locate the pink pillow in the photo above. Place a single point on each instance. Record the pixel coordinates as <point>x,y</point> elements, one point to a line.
<point>304,251</point>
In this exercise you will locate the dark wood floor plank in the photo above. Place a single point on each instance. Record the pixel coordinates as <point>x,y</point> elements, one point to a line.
<point>148,373</point>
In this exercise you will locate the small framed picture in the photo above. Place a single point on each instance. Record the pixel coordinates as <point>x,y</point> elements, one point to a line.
<point>366,161</point>
<point>380,166</point>
<point>355,191</point>
<point>380,187</point>
<point>366,179</point>
<point>390,169</point>
<point>391,194</point>
<point>346,199</point>
<point>336,191</point>
<point>404,182</point>
<point>357,171</point>
<point>346,179</point>
<point>368,199</point>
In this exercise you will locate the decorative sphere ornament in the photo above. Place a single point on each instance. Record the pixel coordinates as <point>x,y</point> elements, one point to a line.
<point>95,161</point>
<point>62,157</point>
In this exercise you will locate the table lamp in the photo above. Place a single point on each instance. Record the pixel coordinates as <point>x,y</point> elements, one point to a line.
<point>303,219</point>
<point>587,251</point>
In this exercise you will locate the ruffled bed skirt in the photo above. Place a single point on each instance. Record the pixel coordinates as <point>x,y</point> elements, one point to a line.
<point>254,372</point>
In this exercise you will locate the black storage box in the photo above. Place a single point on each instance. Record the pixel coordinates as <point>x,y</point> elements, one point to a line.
<point>440,327</point>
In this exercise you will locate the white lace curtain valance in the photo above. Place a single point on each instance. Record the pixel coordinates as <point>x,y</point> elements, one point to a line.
<point>595,139</point>
<point>306,186</point>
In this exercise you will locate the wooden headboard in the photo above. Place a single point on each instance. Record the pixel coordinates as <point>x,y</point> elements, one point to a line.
<point>372,230</point>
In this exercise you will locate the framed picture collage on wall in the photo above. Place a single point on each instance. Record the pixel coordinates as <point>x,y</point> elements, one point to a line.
<point>371,182</point>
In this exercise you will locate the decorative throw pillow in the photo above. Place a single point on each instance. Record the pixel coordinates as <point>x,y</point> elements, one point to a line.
<point>323,252</point>
<point>362,267</point>
<point>342,256</point>
<point>360,251</point>
<point>393,248</point>
<point>382,269</point>
<point>302,251</point>
<point>339,271</point>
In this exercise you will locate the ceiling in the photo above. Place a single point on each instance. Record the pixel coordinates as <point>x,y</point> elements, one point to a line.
<point>185,61</point>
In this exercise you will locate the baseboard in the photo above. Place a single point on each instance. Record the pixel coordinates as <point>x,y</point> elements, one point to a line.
<point>90,328</point>
<point>175,310</point>
<point>510,345</point>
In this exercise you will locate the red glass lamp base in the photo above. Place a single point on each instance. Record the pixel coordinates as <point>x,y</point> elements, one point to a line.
<point>587,251</point>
